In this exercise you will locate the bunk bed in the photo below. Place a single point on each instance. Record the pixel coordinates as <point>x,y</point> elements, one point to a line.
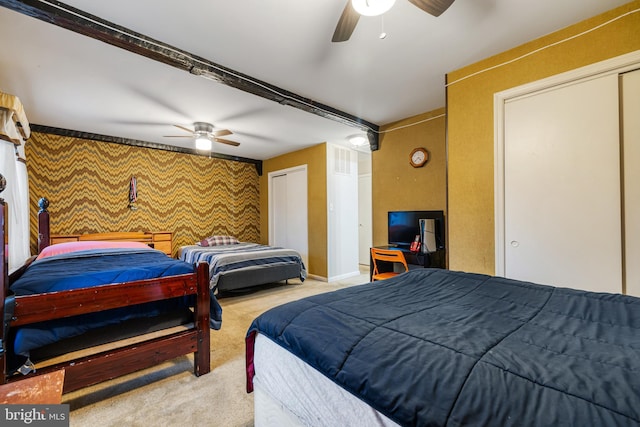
<point>180,287</point>
<point>438,347</point>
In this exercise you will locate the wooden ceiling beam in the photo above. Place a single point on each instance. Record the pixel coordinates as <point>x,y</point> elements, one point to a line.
<point>80,22</point>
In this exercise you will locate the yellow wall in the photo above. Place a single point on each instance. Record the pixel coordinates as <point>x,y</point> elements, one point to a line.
<point>470,121</point>
<point>316,160</point>
<point>87,184</point>
<point>396,185</point>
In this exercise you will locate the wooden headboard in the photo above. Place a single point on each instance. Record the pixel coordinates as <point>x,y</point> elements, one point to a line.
<point>161,240</point>
<point>118,236</point>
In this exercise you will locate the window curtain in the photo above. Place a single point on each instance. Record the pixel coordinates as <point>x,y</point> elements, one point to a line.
<point>14,168</point>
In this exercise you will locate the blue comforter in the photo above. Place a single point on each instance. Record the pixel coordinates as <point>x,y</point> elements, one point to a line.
<point>94,268</point>
<point>434,347</point>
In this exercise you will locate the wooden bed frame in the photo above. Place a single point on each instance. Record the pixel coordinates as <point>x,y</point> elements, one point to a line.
<point>95,368</point>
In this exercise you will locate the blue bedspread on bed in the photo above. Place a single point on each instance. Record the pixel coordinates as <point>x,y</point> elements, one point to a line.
<point>434,347</point>
<point>96,267</point>
<point>93,268</point>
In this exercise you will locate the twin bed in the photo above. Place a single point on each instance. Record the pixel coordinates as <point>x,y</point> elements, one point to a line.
<point>436,347</point>
<point>235,265</point>
<point>71,293</point>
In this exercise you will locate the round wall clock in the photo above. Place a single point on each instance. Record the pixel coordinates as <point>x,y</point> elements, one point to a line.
<point>418,157</point>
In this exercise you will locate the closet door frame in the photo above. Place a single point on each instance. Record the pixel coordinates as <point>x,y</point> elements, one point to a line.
<point>630,106</point>
<point>615,65</point>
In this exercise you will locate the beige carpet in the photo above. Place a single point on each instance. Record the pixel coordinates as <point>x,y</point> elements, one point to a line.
<point>170,395</point>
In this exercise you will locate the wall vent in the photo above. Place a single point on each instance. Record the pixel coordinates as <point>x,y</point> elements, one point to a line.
<point>342,163</point>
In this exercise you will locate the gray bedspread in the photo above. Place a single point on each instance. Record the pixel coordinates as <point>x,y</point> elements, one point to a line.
<point>227,259</point>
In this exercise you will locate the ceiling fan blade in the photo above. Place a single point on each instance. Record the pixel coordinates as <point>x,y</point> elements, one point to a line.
<point>226,141</point>
<point>432,7</point>
<point>346,23</point>
<point>221,132</point>
<point>184,128</point>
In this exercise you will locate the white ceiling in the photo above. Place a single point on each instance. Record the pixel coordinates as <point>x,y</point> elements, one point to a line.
<point>70,81</point>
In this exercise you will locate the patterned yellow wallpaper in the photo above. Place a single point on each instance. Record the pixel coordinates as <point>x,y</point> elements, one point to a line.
<point>87,184</point>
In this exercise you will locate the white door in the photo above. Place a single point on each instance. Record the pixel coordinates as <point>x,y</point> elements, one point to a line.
<point>562,186</point>
<point>630,94</point>
<point>288,225</point>
<point>365,228</point>
<point>278,236</point>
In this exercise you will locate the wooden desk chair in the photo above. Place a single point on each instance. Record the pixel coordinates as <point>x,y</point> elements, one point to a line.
<point>389,255</point>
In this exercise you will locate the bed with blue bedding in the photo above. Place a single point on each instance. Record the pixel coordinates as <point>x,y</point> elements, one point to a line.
<point>80,291</point>
<point>433,347</point>
<point>244,265</point>
<point>96,267</point>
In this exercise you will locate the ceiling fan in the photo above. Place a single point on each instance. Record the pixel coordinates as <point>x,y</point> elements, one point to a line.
<point>354,8</point>
<point>205,135</point>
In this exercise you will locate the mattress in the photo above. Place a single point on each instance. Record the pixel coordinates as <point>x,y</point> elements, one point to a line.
<point>289,392</point>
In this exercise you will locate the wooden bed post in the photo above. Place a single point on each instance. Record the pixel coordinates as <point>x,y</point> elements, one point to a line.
<point>202,356</point>
<point>44,232</point>
<point>4,277</point>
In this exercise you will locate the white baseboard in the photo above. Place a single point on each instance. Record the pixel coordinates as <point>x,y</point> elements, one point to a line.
<point>344,276</point>
<point>316,277</point>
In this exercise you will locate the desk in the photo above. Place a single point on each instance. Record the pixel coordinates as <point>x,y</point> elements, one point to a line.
<point>435,259</point>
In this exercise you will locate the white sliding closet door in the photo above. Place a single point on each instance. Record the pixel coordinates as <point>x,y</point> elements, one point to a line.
<point>562,200</point>
<point>630,85</point>
<point>279,211</point>
<point>288,211</point>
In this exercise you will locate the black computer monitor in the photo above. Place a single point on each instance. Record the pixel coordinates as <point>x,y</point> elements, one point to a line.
<point>404,226</point>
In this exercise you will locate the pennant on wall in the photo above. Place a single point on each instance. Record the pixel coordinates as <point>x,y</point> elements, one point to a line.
<point>133,193</point>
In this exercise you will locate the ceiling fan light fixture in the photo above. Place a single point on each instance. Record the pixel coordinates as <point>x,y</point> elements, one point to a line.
<point>372,7</point>
<point>203,143</point>
<point>358,140</point>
